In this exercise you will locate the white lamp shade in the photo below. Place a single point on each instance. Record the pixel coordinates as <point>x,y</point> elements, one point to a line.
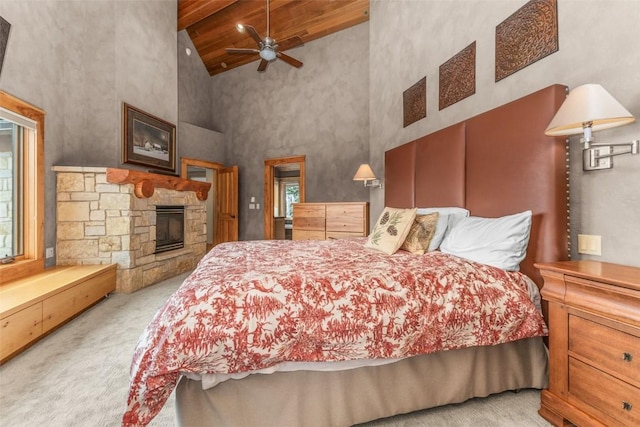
<point>588,103</point>
<point>364,173</point>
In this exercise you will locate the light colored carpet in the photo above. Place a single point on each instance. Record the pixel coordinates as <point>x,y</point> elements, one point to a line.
<point>79,375</point>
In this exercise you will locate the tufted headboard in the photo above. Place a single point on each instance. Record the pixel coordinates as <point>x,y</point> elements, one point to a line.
<point>496,163</point>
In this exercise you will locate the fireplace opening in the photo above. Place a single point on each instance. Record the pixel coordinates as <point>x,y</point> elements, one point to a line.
<point>169,228</point>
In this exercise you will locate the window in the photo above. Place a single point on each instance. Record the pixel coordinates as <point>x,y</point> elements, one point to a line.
<point>292,195</point>
<point>21,188</point>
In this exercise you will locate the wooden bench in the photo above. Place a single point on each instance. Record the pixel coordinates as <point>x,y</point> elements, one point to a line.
<point>33,306</point>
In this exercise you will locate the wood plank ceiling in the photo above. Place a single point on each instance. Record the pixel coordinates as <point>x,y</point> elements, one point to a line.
<point>211,24</point>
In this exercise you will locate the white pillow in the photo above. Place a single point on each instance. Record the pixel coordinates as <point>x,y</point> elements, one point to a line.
<point>500,242</point>
<point>443,222</point>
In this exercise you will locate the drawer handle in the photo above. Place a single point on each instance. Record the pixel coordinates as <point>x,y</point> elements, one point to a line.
<point>627,357</point>
<point>627,406</point>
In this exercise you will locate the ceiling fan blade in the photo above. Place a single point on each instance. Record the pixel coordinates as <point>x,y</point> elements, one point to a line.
<point>242,51</point>
<point>254,34</point>
<point>289,60</point>
<point>263,65</point>
<point>290,43</point>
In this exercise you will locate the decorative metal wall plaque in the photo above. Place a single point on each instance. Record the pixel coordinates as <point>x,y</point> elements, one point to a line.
<point>458,77</point>
<point>414,102</point>
<point>4,38</point>
<point>528,35</point>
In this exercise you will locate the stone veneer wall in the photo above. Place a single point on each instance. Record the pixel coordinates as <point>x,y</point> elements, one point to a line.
<point>103,223</point>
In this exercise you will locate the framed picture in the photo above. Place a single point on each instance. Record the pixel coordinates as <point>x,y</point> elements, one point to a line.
<point>147,140</point>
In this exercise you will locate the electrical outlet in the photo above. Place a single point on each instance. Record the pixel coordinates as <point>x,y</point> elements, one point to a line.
<point>48,253</point>
<point>589,245</point>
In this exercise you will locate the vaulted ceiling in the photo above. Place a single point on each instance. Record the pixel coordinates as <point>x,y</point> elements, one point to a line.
<point>211,24</point>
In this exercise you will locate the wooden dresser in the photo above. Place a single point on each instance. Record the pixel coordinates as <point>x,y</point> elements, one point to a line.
<point>321,221</point>
<point>594,344</point>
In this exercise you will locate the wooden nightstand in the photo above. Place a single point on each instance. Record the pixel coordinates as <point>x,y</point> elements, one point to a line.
<point>594,344</point>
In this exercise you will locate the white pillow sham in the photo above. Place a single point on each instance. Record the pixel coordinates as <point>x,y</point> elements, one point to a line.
<point>443,222</point>
<point>500,242</point>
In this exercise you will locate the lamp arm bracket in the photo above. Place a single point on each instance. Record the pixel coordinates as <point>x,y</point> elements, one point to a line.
<point>373,183</point>
<point>633,148</point>
<point>614,144</point>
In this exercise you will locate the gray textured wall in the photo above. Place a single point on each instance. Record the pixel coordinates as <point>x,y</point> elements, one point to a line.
<point>197,137</point>
<point>320,110</point>
<point>78,61</point>
<point>410,39</point>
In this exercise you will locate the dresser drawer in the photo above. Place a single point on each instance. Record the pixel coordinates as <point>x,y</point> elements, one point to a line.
<point>307,235</point>
<point>608,349</point>
<point>346,224</point>
<point>308,223</point>
<point>352,210</point>
<point>342,235</point>
<point>592,388</point>
<point>307,210</point>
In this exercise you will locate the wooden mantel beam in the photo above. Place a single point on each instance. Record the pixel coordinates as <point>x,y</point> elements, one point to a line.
<point>145,183</point>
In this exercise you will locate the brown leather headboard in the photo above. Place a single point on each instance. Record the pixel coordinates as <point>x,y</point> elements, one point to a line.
<point>494,164</point>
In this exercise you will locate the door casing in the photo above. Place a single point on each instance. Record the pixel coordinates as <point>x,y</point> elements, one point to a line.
<point>269,168</point>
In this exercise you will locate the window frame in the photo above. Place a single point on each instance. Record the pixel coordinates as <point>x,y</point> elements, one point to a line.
<point>32,260</point>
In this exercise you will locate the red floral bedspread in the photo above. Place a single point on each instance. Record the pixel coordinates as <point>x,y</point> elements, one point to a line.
<point>251,305</point>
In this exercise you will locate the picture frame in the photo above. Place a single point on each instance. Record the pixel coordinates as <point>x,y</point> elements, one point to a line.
<point>147,140</point>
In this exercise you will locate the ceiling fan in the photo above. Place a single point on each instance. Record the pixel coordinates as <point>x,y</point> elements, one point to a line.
<point>267,47</point>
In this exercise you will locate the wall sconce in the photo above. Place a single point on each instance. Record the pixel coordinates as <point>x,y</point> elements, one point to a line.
<point>365,174</point>
<point>587,108</point>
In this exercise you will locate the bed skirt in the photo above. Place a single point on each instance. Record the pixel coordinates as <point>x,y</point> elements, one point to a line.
<point>344,398</point>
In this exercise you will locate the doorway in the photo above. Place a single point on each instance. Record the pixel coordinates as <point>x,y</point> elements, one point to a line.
<point>284,184</point>
<point>222,200</point>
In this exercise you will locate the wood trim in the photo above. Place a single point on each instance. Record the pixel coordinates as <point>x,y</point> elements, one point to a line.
<point>185,162</point>
<point>32,261</point>
<point>193,11</point>
<point>269,166</point>
<point>145,182</point>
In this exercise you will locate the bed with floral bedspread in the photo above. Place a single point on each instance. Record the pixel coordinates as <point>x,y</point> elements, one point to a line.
<point>253,305</point>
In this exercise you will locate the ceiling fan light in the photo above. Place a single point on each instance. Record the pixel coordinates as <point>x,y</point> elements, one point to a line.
<point>240,28</point>
<point>267,54</point>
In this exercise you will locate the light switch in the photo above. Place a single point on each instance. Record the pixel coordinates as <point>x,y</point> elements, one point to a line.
<point>257,205</point>
<point>589,245</point>
<point>252,205</point>
<point>253,199</point>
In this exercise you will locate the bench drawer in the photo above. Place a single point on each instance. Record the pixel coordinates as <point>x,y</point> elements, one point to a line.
<point>19,329</point>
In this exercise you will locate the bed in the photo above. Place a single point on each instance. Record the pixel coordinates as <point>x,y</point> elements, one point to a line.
<point>494,165</point>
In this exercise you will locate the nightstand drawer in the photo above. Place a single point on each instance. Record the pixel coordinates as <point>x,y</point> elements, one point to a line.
<point>606,394</point>
<point>609,349</point>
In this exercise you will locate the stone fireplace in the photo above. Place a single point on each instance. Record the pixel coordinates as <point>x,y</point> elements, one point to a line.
<point>108,216</point>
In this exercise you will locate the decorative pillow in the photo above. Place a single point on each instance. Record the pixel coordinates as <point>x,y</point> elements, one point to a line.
<point>420,233</point>
<point>446,215</point>
<point>500,242</point>
<point>391,229</point>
